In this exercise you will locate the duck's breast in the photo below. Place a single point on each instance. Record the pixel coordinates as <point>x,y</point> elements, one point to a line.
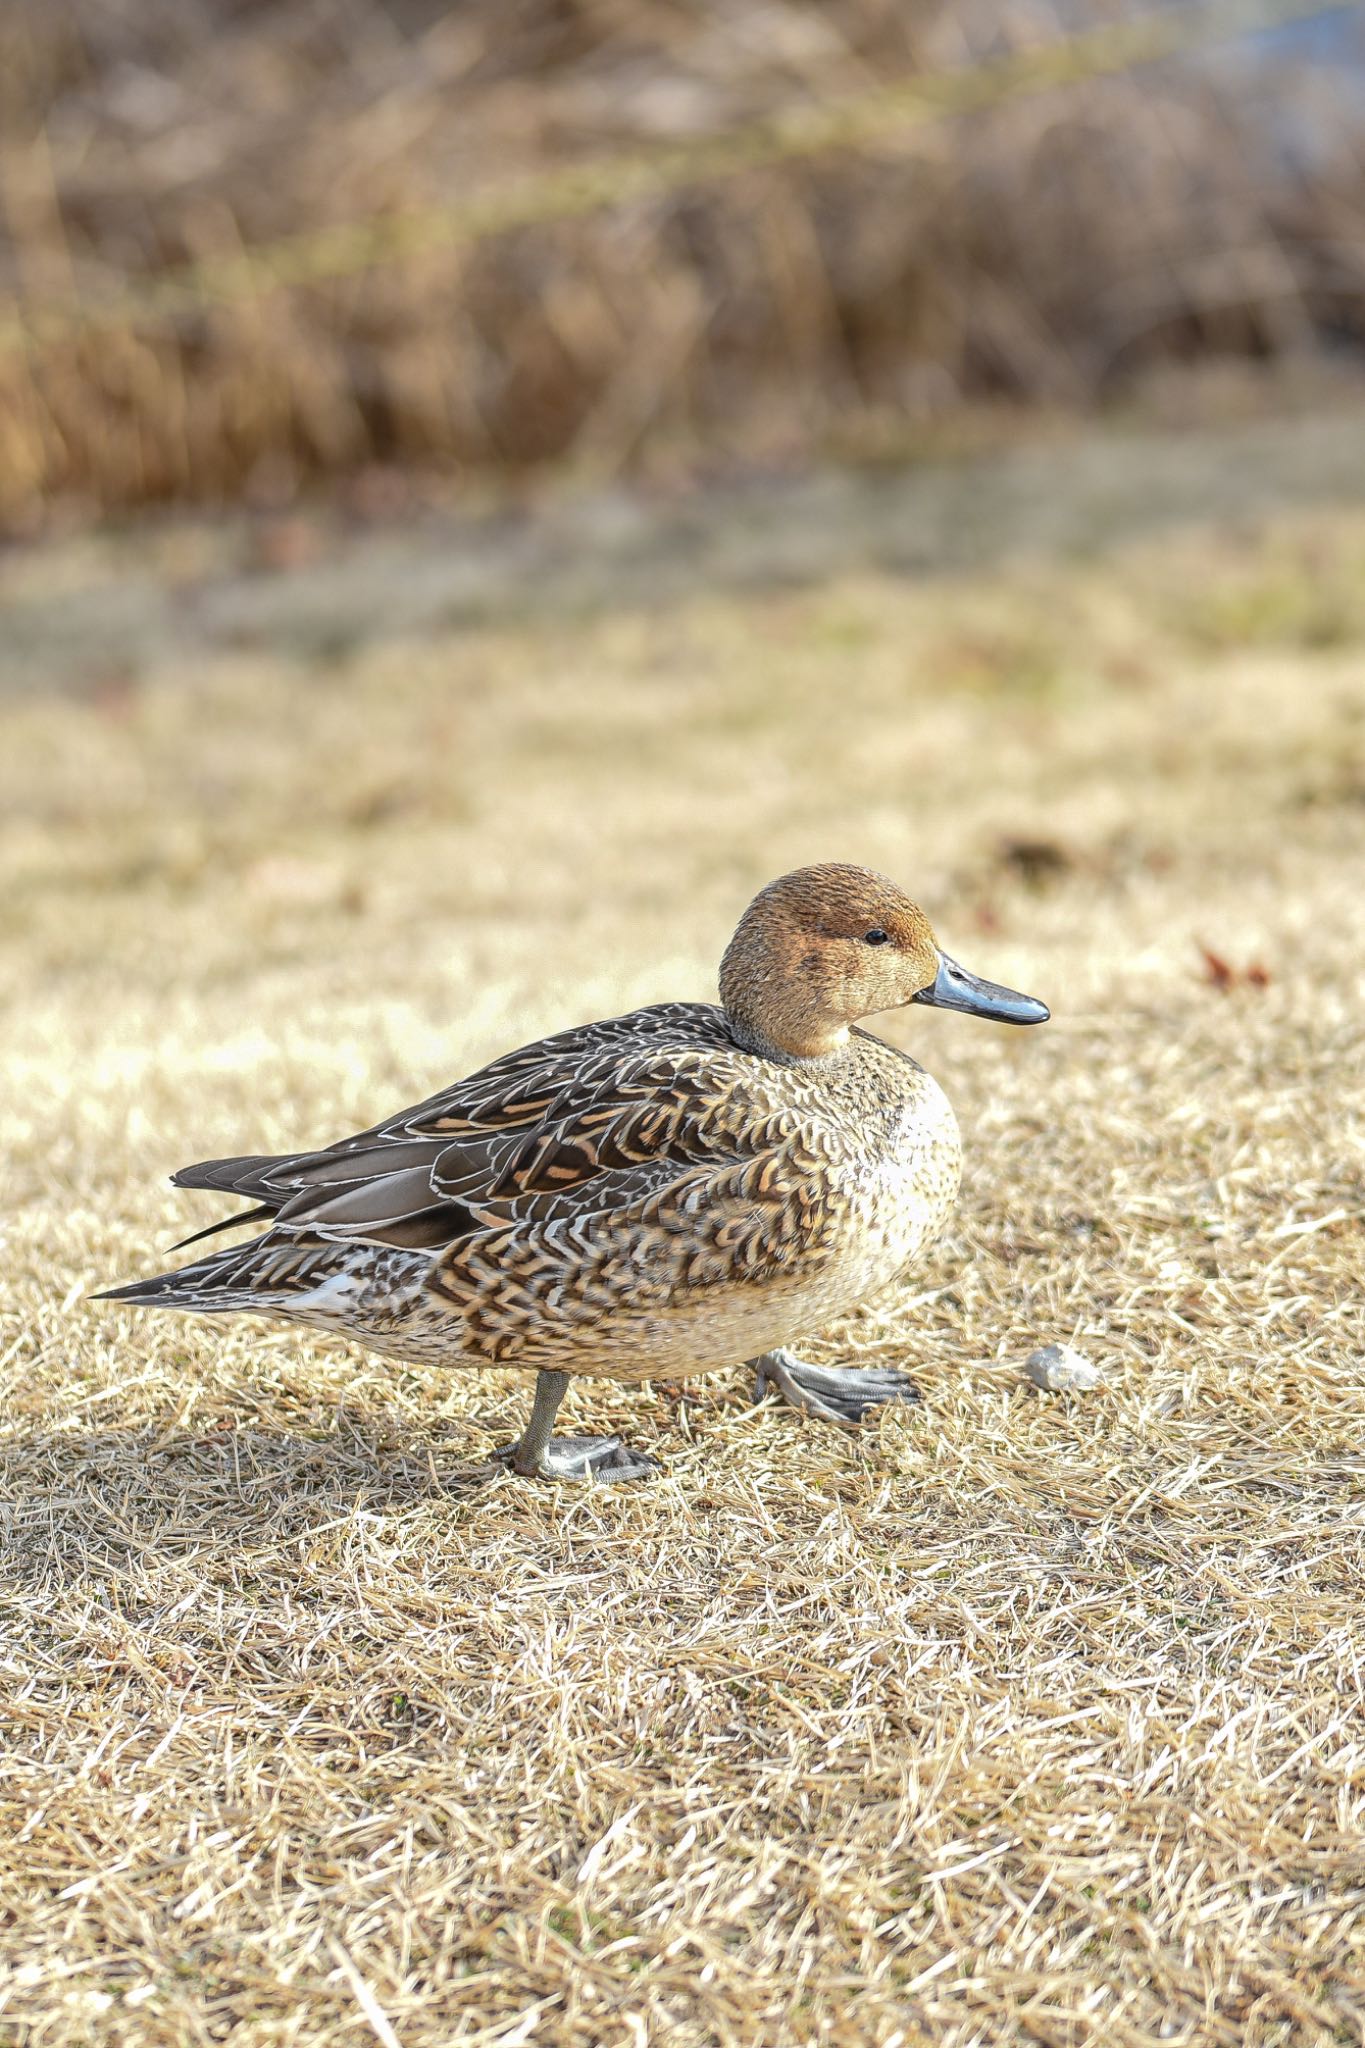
<point>898,1184</point>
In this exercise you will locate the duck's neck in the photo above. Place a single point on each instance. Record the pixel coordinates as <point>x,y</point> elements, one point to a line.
<point>772,1009</point>
<point>812,1041</point>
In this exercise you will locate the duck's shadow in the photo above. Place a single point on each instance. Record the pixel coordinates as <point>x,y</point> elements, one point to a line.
<point>74,1499</point>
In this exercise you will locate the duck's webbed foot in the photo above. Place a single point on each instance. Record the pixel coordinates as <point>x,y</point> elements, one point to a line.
<point>538,1455</point>
<point>835,1394</point>
<point>604,1459</point>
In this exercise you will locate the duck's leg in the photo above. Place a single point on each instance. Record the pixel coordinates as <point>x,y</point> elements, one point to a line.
<point>835,1394</point>
<point>538,1455</point>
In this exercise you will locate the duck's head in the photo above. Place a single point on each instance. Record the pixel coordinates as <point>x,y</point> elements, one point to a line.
<point>821,947</point>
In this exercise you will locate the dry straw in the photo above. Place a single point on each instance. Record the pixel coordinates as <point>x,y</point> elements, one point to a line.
<point>878,115</point>
<point>294,253</point>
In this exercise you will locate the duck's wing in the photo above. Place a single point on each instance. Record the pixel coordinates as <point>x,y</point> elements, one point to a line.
<point>589,1121</point>
<point>628,1165</point>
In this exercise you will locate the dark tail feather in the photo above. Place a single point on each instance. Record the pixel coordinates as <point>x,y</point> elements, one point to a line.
<point>212,1229</point>
<point>205,1285</point>
<point>244,1176</point>
<point>137,1290</point>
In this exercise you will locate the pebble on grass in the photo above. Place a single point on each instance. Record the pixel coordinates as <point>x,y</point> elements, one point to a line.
<point>1058,1369</point>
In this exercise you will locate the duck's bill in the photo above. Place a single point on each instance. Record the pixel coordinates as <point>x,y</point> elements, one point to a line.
<point>954,989</point>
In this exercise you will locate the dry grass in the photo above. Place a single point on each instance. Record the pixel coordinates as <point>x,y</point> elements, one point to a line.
<point>1050,251</point>
<point>1026,1719</point>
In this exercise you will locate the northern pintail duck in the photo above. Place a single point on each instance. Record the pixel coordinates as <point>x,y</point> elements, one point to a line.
<point>661,1193</point>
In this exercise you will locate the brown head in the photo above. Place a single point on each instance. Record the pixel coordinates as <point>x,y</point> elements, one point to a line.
<point>821,947</point>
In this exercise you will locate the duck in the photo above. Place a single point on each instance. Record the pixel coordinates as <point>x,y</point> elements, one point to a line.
<point>654,1195</point>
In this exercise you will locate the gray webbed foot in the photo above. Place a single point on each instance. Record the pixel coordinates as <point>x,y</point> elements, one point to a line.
<point>538,1455</point>
<point>603,1459</point>
<point>833,1393</point>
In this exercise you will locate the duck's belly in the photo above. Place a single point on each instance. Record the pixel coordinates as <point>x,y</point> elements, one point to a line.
<point>625,1328</point>
<point>703,1332</point>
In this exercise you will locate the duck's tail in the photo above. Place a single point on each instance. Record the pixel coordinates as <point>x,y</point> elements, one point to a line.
<point>219,1282</point>
<point>223,1280</point>
<point>267,1276</point>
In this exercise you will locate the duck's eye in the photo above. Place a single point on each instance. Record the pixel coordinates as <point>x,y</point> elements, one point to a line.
<point>876,937</point>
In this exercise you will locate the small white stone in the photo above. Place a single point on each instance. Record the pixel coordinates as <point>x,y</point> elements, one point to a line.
<point>1057,1369</point>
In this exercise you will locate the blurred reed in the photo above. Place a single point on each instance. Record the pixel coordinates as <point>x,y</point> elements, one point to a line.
<point>245,247</point>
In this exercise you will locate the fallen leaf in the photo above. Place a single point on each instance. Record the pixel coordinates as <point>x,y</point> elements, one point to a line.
<point>1218,972</point>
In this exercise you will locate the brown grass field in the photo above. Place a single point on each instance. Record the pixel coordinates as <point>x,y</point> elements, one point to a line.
<point>1023,1718</point>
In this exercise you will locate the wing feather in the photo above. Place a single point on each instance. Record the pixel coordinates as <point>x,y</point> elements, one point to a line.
<point>597,1120</point>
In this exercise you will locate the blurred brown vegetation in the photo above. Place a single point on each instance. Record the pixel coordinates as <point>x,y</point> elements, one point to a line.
<point>1050,249</point>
